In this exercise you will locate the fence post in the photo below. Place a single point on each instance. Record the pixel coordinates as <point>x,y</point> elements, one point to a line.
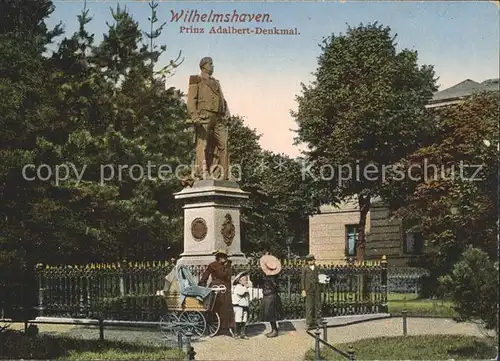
<point>325,330</point>
<point>179,340</point>
<point>122,277</point>
<point>317,353</point>
<point>351,353</point>
<point>40,290</point>
<point>101,328</point>
<point>405,328</point>
<point>190,354</point>
<point>383,263</point>
<point>26,298</point>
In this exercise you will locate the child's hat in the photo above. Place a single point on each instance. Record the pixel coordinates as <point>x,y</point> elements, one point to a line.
<point>238,276</point>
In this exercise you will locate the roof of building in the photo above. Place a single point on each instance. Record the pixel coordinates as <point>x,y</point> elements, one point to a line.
<point>463,89</point>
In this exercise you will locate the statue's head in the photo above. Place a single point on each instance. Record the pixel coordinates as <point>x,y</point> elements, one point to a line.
<point>206,64</point>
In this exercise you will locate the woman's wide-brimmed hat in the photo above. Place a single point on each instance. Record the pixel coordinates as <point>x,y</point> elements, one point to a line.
<point>270,265</point>
<point>239,275</point>
<point>220,252</point>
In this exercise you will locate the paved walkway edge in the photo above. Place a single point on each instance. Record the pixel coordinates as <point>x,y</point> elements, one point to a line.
<point>337,321</point>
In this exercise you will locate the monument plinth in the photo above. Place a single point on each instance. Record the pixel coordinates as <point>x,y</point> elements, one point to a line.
<point>211,221</point>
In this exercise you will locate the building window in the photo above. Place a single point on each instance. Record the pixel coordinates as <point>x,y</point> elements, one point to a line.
<point>413,243</point>
<point>351,231</point>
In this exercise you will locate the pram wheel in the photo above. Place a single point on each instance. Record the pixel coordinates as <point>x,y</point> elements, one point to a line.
<point>169,325</point>
<point>213,323</point>
<point>194,322</point>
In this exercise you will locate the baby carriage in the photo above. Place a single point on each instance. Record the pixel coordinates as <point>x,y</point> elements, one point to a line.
<point>189,306</point>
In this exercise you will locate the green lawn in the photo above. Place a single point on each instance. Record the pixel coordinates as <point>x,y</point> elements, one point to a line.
<point>402,296</point>
<point>424,347</point>
<point>16,345</point>
<point>419,307</point>
<point>416,306</point>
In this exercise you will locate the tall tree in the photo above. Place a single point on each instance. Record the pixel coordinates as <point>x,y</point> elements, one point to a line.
<point>80,108</point>
<point>133,129</point>
<point>25,111</point>
<point>245,159</point>
<point>154,34</point>
<point>290,201</point>
<point>364,110</point>
<point>279,201</point>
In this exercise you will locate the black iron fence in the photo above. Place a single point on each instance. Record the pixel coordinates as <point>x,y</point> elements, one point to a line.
<point>405,279</point>
<point>128,291</point>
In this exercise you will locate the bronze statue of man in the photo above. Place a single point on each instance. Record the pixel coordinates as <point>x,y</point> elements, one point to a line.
<point>209,113</point>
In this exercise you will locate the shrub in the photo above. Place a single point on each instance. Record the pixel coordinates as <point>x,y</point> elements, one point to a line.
<point>473,287</point>
<point>32,331</point>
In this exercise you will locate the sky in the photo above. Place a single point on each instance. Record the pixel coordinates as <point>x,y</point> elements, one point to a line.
<point>261,74</point>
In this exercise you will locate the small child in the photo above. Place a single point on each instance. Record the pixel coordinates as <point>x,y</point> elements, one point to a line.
<point>241,303</point>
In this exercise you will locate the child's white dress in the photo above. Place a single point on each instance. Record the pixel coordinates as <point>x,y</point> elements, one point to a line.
<point>241,302</point>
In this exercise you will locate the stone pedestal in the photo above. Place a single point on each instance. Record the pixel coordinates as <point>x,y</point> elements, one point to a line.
<point>211,221</point>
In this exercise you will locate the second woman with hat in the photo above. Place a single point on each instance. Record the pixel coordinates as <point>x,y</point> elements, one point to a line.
<point>271,308</point>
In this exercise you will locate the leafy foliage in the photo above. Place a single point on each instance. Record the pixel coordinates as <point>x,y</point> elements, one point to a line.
<point>452,197</point>
<point>473,287</point>
<point>26,111</point>
<point>364,110</point>
<point>103,107</point>
<point>279,204</point>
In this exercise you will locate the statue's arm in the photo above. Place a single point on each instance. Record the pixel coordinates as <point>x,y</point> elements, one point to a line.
<point>227,114</point>
<point>192,101</point>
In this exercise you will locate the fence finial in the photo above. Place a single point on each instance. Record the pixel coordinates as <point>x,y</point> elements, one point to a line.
<point>351,353</point>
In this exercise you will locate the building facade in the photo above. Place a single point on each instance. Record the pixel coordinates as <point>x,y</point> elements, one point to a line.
<point>333,235</point>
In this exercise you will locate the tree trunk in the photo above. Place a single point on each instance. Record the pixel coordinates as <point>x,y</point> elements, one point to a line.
<point>364,208</point>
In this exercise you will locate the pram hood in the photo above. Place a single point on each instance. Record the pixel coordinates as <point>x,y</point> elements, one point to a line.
<point>179,279</point>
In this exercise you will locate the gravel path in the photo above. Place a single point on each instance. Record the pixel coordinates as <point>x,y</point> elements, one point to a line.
<point>292,345</point>
<point>289,346</point>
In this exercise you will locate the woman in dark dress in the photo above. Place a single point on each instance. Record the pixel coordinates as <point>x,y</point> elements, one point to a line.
<point>270,310</point>
<point>221,272</point>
